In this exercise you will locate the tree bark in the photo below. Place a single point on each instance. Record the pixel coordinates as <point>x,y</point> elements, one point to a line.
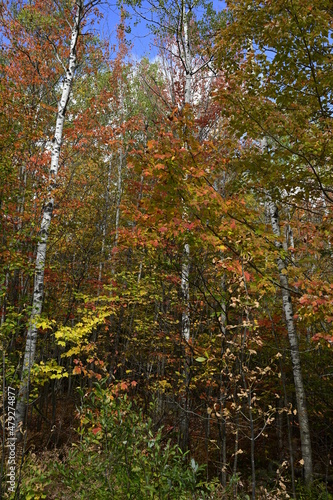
<point>38,292</point>
<point>186,251</point>
<point>185,271</point>
<point>294,350</point>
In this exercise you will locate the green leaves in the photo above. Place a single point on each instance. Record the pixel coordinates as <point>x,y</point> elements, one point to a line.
<point>137,462</point>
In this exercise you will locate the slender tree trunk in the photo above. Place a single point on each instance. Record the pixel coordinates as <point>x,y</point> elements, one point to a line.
<point>223,325</point>
<point>104,230</point>
<point>223,451</point>
<point>102,253</point>
<point>290,440</point>
<point>186,251</point>
<point>186,292</point>
<point>236,448</point>
<point>285,401</point>
<point>38,292</point>
<point>119,194</point>
<point>294,350</point>
<point>253,462</point>
<point>185,271</point>
<point>248,390</point>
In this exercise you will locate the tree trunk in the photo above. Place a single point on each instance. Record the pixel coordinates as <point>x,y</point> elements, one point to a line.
<point>186,251</point>
<point>185,271</point>
<point>294,350</point>
<point>186,292</point>
<point>38,292</point>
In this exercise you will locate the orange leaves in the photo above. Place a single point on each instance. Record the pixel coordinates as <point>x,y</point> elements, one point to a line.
<point>316,308</point>
<point>123,386</point>
<point>159,166</point>
<point>151,144</point>
<point>77,370</point>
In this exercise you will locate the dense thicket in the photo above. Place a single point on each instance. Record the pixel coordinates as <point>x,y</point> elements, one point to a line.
<point>184,344</point>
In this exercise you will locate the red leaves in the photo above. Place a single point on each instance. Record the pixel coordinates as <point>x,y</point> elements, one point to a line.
<point>123,386</point>
<point>96,430</point>
<point>190,225</point>
<point>323,336</point>
<point>247,276</point>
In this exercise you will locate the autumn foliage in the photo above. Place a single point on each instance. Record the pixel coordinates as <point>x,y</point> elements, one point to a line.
<point>142,174</point>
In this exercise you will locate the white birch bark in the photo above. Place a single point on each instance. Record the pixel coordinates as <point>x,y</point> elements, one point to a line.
<point>187,58</point>
<point>119,194</point>
<point>294,350</point>
<point>122,158</point>
<point>186,251</point>
<point>186,292</point>
<point>38,291</point>
<point>104,228</point>
<point>185,271</point>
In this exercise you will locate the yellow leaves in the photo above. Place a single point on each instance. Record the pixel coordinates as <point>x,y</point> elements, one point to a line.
<point>44,323</point>
<point>72,351</point>
<point>78,334</point>
<point>50,370</point>
<point>164,385</point>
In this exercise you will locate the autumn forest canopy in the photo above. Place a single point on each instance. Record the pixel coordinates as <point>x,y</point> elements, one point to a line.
<point>166,294</point>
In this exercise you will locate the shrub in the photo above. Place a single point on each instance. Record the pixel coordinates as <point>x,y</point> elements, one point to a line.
<point>119,456</point>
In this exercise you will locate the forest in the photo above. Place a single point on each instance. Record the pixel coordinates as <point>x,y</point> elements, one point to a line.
<point>166,294</point>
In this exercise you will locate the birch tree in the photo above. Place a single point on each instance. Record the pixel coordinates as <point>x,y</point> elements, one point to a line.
<point>80,9</point>
<point>282,92</point>
<point>294,349</point>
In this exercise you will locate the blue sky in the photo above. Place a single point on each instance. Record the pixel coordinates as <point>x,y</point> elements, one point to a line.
<point>140,37</point>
